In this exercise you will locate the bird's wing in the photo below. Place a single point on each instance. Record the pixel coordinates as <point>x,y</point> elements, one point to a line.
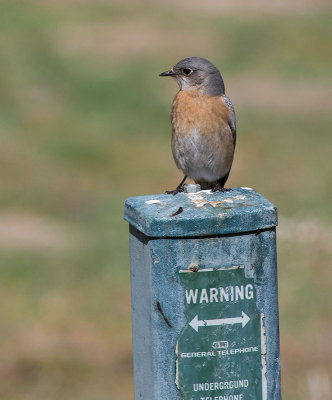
<point>232,121</point>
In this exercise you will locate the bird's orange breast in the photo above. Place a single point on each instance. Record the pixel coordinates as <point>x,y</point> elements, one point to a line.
<point>204,113</point>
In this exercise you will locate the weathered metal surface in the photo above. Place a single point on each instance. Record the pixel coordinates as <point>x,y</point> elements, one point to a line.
<point>160,312</point>
<point>204,213</point>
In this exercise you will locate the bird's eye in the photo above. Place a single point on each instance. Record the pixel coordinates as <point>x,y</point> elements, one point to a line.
<point>187,71</point>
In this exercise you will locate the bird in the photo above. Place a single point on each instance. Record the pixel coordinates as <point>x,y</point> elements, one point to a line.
<point>203,125</point>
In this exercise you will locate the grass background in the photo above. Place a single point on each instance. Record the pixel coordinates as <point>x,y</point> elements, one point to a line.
<point>84,124</point>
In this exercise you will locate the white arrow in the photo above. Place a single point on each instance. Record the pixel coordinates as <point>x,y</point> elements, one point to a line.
<point>196,323</point>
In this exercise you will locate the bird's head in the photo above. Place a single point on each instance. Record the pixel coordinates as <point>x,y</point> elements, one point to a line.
<point>196,73</point>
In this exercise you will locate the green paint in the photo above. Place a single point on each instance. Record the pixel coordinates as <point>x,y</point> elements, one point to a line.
<point>219,350</point>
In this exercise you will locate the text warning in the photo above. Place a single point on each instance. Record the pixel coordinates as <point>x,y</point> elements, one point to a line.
<point>221,350</point>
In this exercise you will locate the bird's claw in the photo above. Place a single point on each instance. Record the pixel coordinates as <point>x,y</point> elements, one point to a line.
<point>176,191</point>
<point>218,188</point>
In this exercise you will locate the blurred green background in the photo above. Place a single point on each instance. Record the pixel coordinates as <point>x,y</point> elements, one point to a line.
<point>84,123</point>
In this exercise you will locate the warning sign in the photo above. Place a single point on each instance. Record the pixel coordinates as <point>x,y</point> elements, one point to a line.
<point>220,354</point>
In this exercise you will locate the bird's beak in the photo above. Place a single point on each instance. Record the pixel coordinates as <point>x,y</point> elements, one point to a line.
<point>170,72</point>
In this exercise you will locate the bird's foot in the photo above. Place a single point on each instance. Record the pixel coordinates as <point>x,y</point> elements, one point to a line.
<point>176,191</point>
<point>219,188</point>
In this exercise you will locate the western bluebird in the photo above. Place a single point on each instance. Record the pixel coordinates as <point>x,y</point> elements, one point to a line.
<point>203,122</point>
